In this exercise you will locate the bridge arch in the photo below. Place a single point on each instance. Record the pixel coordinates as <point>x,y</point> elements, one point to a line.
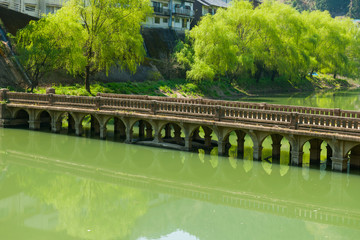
<point>277,147</point>
<point>172,132</point>
<point>22,117</point>
<point>64,120</point>
<point>316,151</point>
<point>353,154</point>
<point>145,130</point>
<point>44,118</point>
<point>118,127</point>
<point>91,123</point>
<point>243,138</point>
<point>201,137</point>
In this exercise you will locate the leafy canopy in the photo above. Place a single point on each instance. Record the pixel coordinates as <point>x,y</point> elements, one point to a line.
<point>93,35</point>
<point>272,38</point>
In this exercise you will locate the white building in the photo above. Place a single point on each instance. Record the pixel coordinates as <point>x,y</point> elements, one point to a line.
<point>176,14</point>
<point>35,8</point>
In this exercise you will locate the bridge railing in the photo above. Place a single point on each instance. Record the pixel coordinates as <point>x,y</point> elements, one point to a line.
<point>233,112</point>
<point>250,105</point>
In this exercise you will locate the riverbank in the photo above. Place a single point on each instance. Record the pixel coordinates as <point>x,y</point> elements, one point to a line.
<point>220,89</point>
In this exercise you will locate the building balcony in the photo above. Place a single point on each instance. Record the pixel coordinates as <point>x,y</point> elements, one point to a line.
<point>162,11</point>
<point>184,12</point>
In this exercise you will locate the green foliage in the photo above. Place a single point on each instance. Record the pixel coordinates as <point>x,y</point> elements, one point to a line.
<point>40,48</point>
<point>91,36</point>
<point>273,39</point>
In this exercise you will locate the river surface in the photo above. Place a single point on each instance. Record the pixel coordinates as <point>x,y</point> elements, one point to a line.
<point>57,186</point>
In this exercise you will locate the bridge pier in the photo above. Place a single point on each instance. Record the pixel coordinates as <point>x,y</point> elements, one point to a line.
<point>167,129</point>
<point>177,134</point>
<point>103,132</point>
<point>34,124</point>
<point>149,131</point>
<point>141,129</point>
<point>129,134</point>
<point>315,152</point>
<point>339,163</point>
<point>257,154</point>
<point>56,125</point>
<point>207,137</point>
<point>240,143</point>
<point>78,128</point>
<point>95,125</point>
<point>222,147</point>
<point>296,157</point>
<point>157,135</point>
<point>188,141</point>
<point>71,123</point>
<point>276,147</point>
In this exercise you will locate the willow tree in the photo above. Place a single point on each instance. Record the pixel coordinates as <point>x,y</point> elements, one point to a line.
<point>273,38</point>
<point>40,48</point>
<point>99,34</point>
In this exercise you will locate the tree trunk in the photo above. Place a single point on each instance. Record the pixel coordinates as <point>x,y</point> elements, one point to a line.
<point>258,75</point>
<point>335,74</point>
<point>311,73</point>
<point>34,84</point>
<point>273,74</point>
<point>87,79</point>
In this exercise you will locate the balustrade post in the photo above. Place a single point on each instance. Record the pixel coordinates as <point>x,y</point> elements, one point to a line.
<point>294,120</point>
<point>219,113</point>
<point>3,94</point>
<point>263,106</point>
<point>98,102</point>
<point>153,107</point>
<point>50,91</point>
<point>51,98</point>
<point>337,112</point>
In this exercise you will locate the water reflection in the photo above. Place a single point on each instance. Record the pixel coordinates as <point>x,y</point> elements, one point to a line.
<point>344,99</point>
<point>78,188</point>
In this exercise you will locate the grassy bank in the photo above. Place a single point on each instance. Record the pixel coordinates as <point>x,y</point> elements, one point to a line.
<point>223,89</point>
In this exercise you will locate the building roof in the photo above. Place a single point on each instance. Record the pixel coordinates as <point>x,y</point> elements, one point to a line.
<point>216,3</point>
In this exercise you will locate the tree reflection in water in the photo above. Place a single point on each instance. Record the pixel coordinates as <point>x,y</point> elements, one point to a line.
<point>88,209</point>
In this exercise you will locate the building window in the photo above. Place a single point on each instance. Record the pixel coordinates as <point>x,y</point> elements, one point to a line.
<point>177,20</point>
<point>165,5</point>
<point>165,20</point>
<point>184,23</point>
<point>157,20</point>
<point>51,9</point>
<point>30,7</point>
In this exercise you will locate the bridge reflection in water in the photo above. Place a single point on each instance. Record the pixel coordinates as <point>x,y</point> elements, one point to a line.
<point>110,187</point>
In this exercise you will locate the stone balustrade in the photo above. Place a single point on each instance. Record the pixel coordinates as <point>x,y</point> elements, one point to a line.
<point>256,113</point>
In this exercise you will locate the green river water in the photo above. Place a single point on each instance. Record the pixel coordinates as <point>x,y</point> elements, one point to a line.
<point>57,186</point>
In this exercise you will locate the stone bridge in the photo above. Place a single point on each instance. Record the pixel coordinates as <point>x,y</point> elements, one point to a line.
<point>187,123</point>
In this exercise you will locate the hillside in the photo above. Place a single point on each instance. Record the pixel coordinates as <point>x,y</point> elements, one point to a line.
<point>335,7</point>
<point>10,75</point>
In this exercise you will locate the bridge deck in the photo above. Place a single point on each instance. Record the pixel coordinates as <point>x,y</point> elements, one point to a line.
<point>310,120</point>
